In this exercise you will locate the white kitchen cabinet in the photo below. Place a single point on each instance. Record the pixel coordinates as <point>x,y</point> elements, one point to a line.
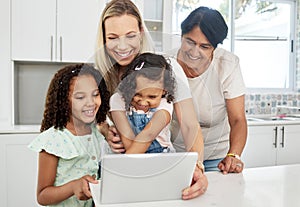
<point>269,145</point>
<point>55,30</point>
<point>288,144</point>
<point>5,65</point>
<point>18,172</point>
<point>152,12</point>
<point>157,15</point>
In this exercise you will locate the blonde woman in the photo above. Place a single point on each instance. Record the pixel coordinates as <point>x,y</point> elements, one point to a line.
<point>122,35</point>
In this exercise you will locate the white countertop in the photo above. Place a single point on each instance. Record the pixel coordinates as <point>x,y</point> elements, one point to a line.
<point>277,186</point>
<point>20,129</point>
<point>17,129</point>
<point>257,120</point>
<point>275,122</point>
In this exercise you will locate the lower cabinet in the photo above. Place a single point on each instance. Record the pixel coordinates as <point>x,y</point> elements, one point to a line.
<point>18,172</point>
<point>272,145</point>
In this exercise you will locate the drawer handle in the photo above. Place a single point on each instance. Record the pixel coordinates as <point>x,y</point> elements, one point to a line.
<point>60,43</point>
<point>282,137</point>
<point>275,135</point>
<point>51,48</point>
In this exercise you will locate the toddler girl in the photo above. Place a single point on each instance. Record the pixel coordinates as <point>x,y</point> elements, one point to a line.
<point>146,90</point>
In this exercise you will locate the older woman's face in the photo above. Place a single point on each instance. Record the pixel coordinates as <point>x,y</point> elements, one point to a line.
<point>123,38</point>
<point>195,52</point>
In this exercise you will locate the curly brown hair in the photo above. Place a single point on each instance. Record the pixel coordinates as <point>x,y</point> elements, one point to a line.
<point>151,66</point>
<point>57,107</point>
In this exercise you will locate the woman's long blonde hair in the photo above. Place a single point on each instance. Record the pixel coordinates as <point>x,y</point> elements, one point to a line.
<point>108,66</point>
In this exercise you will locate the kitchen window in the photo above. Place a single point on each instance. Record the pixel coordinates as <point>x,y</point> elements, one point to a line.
<point>261,33</point>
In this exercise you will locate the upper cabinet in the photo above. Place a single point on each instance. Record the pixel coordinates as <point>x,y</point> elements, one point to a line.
<point>55,30</point>
<point>157,17</point>
<point>33,29</point>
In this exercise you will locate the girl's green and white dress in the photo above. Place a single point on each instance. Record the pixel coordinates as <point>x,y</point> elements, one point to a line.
<point>78,156</point>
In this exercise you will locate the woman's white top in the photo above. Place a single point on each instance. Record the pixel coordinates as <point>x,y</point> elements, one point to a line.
<point>222,80</point>
<point>182,90</point>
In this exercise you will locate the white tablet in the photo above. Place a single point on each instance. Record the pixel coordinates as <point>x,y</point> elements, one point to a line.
<point>145,177</point>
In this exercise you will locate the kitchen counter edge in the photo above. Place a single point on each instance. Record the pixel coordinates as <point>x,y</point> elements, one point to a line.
<point>20,129</point>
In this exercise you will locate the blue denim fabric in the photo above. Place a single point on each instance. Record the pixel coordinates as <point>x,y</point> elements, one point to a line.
<point>138,123</point>
<point>211,165</point>
<point>155,147</point>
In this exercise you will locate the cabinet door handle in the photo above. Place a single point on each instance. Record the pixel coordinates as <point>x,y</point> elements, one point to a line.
<point>60,43</point>
<point>275,136</point>
<point>282,137</point>
<point>51,48</point>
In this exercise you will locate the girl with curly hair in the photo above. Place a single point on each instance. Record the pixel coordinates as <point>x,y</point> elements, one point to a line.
<point>70,145</point>
<point>145,91</point>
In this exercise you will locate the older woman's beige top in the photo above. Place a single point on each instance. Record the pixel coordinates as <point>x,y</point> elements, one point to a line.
<point>222,80</point>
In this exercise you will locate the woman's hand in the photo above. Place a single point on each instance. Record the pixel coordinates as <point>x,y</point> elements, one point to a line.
<point>81,187</point>
<point>114,140</point>
<point>231,165</point>
<point>198,187</point>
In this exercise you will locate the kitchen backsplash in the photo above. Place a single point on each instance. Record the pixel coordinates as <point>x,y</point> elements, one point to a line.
<point>272,103</point>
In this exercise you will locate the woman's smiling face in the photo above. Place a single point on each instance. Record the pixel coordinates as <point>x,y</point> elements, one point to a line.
<point>123,38</point>
<point>195,52</point>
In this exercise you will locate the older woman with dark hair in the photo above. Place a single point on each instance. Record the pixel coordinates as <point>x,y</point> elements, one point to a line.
<point>217,88</point>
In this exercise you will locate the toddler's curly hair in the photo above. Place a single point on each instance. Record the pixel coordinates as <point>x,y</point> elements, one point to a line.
<point>151,66</point>
<point>57,106</point>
